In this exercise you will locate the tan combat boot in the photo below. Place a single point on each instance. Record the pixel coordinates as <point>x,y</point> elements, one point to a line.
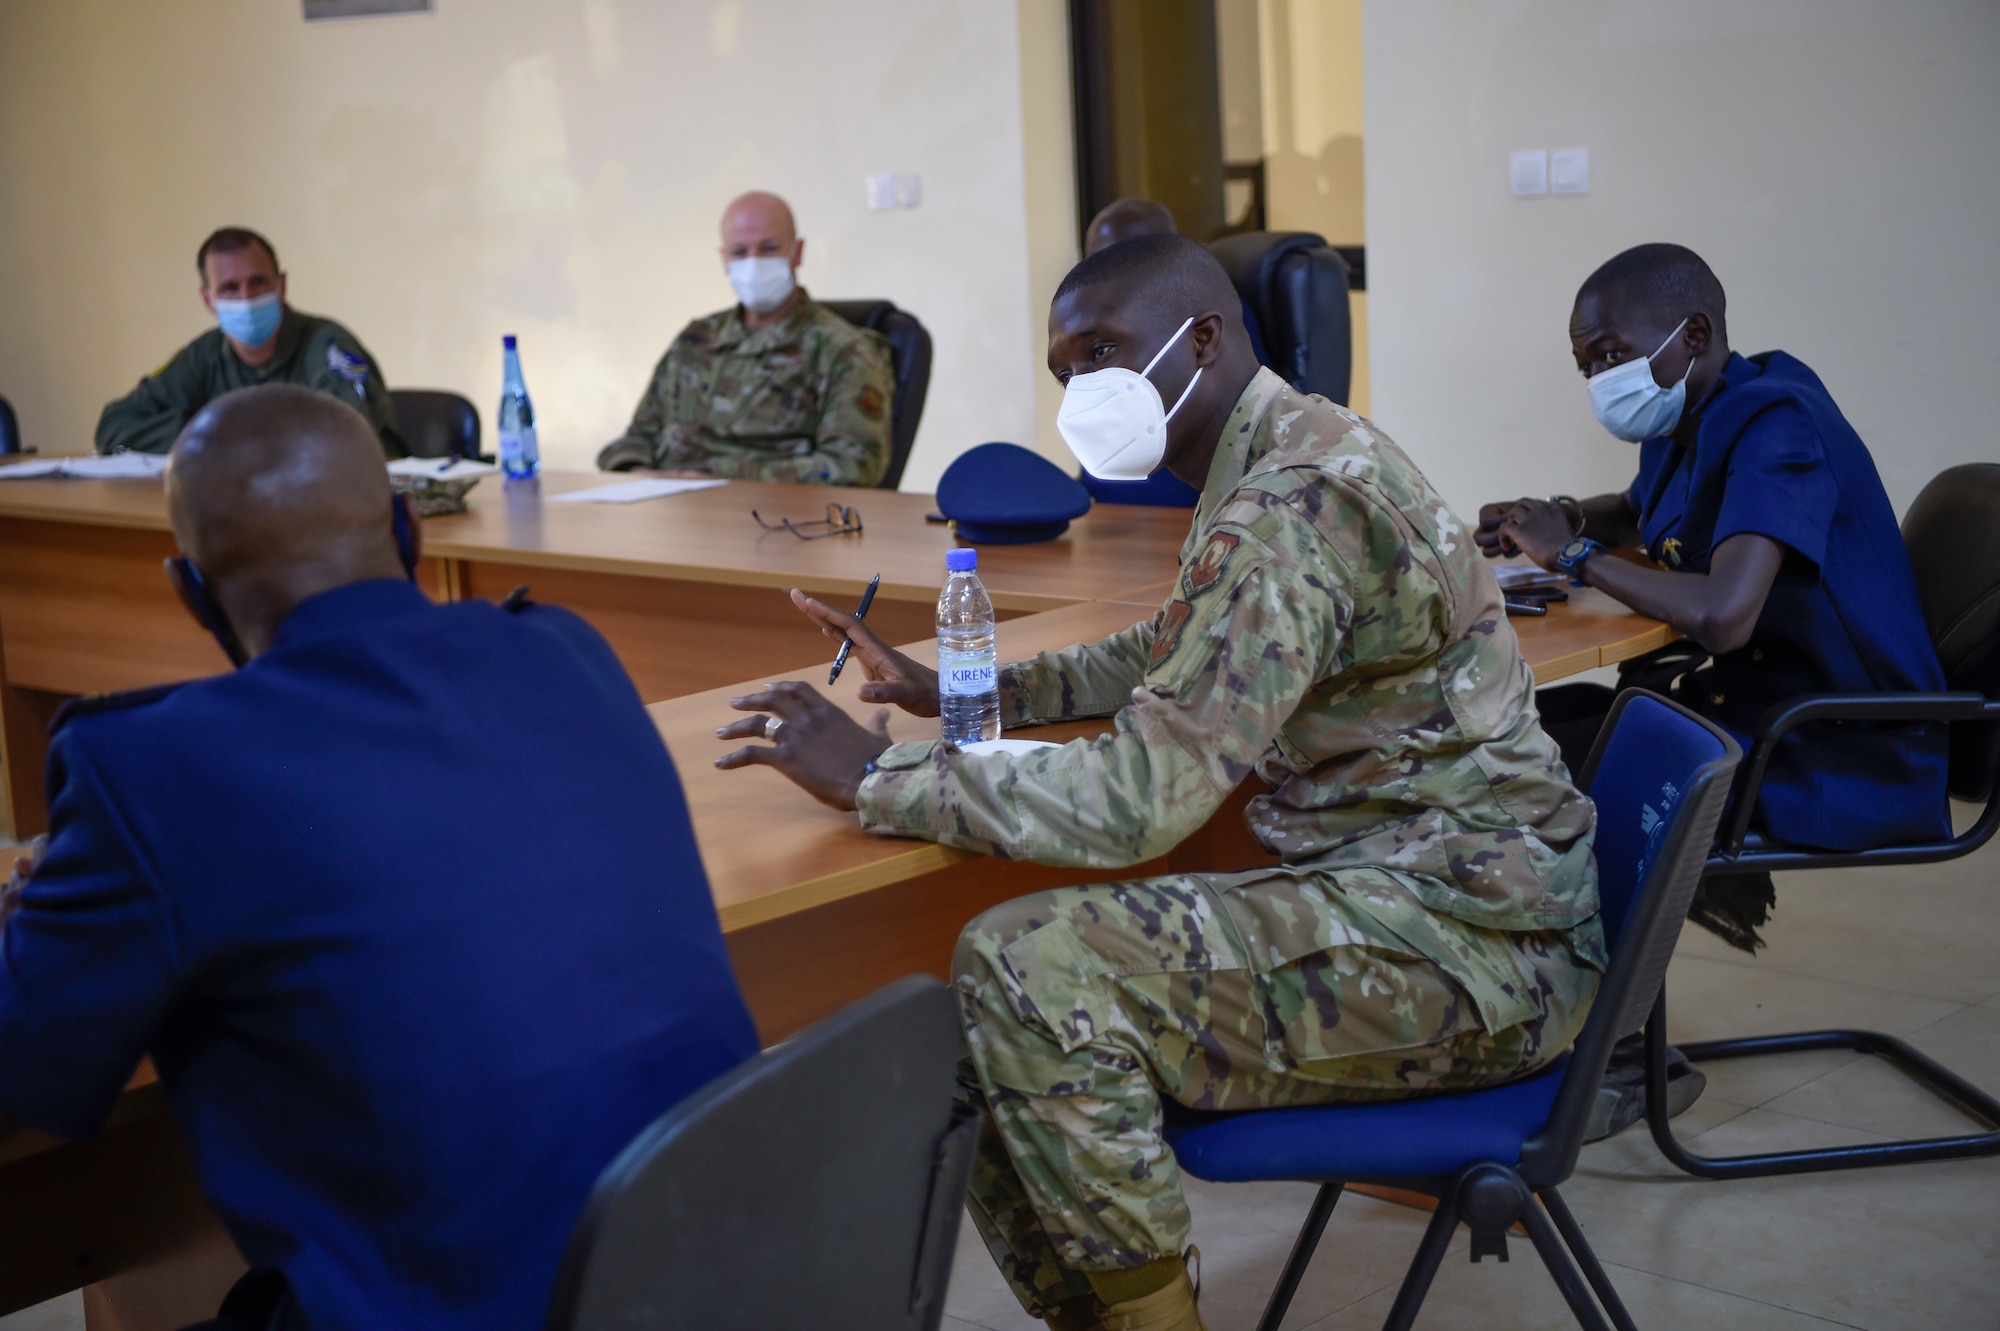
<point>1168,1309</point>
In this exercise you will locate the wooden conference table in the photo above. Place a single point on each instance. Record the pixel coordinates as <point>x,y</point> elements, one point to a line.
<point>690,593</point>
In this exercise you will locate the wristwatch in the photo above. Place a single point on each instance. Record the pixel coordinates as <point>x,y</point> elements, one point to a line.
<point>1571,557</point>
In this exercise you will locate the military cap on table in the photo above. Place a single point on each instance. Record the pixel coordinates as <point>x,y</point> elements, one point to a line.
<point>1004,494</point>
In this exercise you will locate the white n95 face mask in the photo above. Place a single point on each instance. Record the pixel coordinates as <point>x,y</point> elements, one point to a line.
<point>1630,403</point>
<point>762,284</point>
<point>1114,421</point>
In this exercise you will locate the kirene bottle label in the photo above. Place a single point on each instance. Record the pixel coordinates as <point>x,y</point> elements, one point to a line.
<point>967,674</point>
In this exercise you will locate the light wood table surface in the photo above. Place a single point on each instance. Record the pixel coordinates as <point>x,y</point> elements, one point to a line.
<point>815,911</point>
<point>688,589</point>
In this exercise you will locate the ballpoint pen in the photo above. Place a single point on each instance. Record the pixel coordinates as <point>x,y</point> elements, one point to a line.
<point>847,644</point>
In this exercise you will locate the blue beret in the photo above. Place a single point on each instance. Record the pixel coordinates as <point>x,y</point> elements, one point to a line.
<point>1003,494</point>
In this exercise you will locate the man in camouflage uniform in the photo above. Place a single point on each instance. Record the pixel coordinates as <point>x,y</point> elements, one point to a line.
<point>1434,923</point>
<point>239,269</point>
<point>776,388</point>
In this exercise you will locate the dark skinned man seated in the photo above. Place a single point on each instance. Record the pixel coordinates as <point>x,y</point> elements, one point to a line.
<point>1772,546</point>
<point>400,1048</point>
<point>1333,630</point>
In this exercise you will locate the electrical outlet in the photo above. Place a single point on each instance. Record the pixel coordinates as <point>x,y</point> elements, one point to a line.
<point>1528,173</point>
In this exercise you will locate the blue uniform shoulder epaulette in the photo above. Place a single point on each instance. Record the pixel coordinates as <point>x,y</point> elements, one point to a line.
<point>91,703</point>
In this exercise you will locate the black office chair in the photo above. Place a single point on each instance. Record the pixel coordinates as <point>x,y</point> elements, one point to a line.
<point>909,360</point>
<point>1297,285</point>
<point>436,424</point>
<point>1953,535</point>
<point>1495,1158</point>
<point>10,429</point>
<point>827,1174</point>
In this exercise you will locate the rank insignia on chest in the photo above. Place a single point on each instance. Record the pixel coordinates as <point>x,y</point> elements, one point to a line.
<point>346,365</point>
<point>1206,570</point>
<point>1670,550</point>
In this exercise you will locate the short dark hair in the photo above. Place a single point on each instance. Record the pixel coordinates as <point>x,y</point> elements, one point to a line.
<point>1182,277</point>
<point>1667,282</point>
<point>228,240</point>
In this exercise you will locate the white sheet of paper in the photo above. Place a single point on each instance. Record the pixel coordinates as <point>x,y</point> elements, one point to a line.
<point>631,492</point>
<point>22,471</point>
<point>1514,576</point>
<point>1012,747</point>
<point>116,465</point>
<point>441,469</point>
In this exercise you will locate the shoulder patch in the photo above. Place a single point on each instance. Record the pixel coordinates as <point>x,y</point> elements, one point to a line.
<point>1206,568</point>
<point>90,704</point>
<point>346,365</point>
<point>1167,632</point>
<point>872,402</point>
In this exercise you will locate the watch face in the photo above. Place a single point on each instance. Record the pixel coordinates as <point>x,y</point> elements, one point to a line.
<point>1574,548</point>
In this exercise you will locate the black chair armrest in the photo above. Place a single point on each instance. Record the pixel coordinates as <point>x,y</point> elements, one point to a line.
<point>1809,708</point>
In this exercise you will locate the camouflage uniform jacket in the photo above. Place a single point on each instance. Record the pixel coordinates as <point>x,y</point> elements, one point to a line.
<point>806,399</point>
<point>1333,629</point>
<point>312,351</point>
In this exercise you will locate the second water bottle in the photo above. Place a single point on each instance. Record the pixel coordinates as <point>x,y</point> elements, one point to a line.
<point>968,658</point>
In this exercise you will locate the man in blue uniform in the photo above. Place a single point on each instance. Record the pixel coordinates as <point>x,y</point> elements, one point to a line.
<point>400,1040</point>
<point>1774,549</point>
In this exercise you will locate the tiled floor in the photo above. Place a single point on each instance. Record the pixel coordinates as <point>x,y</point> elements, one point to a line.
<point>1914,951</point>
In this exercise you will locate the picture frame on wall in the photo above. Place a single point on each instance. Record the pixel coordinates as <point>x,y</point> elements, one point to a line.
<point>317,10</point>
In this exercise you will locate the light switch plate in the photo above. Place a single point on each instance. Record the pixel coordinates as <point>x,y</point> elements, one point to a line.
<point>1569,171</point>
<point>881,192</point>
<point>909,189</point>
<point>1528,173</point>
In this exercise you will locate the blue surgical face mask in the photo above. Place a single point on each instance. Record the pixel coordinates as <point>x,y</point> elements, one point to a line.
<point>253,322</point>
<point>1630,403</point>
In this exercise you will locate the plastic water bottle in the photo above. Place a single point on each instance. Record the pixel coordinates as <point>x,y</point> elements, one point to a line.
<point>520,456</point>
<point>968,660</point>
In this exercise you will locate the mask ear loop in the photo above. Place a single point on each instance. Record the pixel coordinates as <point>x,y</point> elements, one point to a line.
<point>1148,371</point>
<point>1669,342</point>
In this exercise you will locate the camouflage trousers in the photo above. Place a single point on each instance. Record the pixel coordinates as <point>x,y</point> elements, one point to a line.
<point>1084,1005</point>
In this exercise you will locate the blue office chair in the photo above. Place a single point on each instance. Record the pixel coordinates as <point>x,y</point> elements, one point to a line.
<point>1493,1158</point>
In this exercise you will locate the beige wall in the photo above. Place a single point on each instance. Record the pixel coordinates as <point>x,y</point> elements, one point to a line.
<point>1836,161</point>
<point>1313,177</point>
<point>551,168</point>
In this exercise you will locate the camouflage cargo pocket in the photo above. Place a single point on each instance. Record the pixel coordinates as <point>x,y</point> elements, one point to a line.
<point>1058,983</point>
<point>1336,984</point>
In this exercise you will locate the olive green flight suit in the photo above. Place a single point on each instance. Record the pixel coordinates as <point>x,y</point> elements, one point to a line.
<point>317,353</point>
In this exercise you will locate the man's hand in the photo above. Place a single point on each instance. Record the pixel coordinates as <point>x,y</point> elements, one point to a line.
<point>815,744</point>
<point>1532,527</point>
<point>892,677</point>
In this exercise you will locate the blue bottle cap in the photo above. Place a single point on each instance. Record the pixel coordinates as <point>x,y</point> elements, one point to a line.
<point>961,561</point>
<point>507,342</point>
